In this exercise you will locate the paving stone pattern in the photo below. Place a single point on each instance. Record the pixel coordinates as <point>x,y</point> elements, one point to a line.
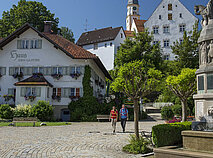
<point>79,140</point>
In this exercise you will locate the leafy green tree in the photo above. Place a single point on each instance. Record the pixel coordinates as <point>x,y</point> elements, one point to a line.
<point>68,34</point>
<point>136,79</point>
<point>187,51</point>
<point>139,48</point>
<point>35,13</point>
<point>183,85</point>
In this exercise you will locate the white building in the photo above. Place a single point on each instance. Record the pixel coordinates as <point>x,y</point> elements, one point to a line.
<point>44,66</point>
<point>104,43</point>
<point>168,23</point>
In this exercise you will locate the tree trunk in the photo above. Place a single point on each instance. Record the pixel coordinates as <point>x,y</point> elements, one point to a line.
<point>136,117</point>
<point>184,110</point>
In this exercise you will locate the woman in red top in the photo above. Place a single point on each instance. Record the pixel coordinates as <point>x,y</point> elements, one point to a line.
<point>113,117</point>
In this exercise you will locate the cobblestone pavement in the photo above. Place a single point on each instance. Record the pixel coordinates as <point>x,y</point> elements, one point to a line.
<point>81,140</point>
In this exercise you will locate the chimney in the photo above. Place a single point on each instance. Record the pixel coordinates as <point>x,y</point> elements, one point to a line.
<point>47,26</point>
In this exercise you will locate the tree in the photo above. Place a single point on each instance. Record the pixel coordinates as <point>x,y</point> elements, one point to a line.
<point>139,48</point>
<point>68,34</point>
<point>32,12</point>
<point>136,79</point>
<point>187,51</point>
<point>183,85</point>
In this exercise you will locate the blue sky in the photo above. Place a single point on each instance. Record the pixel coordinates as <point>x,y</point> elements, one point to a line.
<point>99,13</point>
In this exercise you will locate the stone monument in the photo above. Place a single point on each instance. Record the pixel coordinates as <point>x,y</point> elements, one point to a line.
<point>204,97</point>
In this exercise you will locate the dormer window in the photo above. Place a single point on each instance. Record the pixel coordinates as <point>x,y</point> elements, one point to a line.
<point>169,6</point>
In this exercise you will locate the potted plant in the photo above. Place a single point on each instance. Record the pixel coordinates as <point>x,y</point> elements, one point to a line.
<point>57,76</point>
<point>75,75</point>
<point>30,98</point>
<point>56,97</point>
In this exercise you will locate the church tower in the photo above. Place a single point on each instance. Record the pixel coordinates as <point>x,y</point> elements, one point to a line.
<point>132,13</point>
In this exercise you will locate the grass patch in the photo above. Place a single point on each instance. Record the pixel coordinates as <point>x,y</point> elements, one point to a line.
<point>37,124</point>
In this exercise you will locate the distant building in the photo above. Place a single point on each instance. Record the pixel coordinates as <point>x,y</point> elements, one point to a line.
<point>133,22</point>
<point>168,23</point>
<point>44,66</point>
<point>104,43</point>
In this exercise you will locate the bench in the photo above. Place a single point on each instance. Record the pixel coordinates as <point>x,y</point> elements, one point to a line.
<point>25,119</point>
<point>148,136</point>
<point>102,117</point>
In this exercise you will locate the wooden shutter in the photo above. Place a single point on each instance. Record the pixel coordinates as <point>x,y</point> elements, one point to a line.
<point>39,44</point>
<point>11,71</point>
<point>18,44</point>
<point>77,92</point>
<point>59,92</point>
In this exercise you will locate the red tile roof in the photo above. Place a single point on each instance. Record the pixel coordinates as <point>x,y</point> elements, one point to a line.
<point>74,50</point>
<point>129,33</point>
<point>139,24</point>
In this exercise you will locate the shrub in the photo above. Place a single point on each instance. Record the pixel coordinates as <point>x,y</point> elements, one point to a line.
<point>167,113</point>
<point>6,111</point>
<point>84,109</point>
<point>169,134</point>
<point>23,111</point>
<point>140,146</point>
<point>177,110</point>
<point>43,111</point>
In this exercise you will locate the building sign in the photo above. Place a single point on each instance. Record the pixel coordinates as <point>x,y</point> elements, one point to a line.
<point>21,57</point>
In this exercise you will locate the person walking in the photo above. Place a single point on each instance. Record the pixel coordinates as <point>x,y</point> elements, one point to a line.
<point>113,117</point>
<point>123,117</point>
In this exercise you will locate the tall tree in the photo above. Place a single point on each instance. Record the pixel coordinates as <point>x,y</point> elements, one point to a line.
<point>68,34</point>
<point>187,50</point>
<point>183,86</point>
<point>35,13</point>
<point>136,79</point>
<point>139,48</point>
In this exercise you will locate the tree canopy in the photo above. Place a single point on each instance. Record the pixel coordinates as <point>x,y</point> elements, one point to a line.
<point>32,12</point>
<point>68,34</point>
<point>139,48</point>
<point>187,50</point>
<point>136,79</point>
<point>183,86</point>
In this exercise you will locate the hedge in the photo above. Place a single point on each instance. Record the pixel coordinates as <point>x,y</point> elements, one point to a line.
<point>169,134</point>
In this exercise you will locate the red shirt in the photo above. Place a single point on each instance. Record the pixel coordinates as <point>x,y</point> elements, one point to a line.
<point>114,114</point>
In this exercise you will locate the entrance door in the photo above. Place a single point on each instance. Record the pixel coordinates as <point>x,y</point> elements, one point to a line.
<point>65,115</point>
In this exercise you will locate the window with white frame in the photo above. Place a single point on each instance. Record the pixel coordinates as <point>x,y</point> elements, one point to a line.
<point>2,71</point>
<point>30,91</point>
<point>29,44</point>
<point>15,70</point>
<point>11,91</point>
<point>155,29</point>
<point>166,43</point>
<point>75,70</point>
<point>182,27</point>
<point>165,29</point>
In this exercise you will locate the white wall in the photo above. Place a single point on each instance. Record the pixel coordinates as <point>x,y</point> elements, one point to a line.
<point>107,54</point>
<point>47,56</point>
<point>187,18</point>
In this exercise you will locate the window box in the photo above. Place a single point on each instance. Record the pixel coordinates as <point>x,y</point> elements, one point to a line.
<point>30,98</point>
<point>57,76</point>
<point>74,97</point>
<point>19,76</point>
<point>8,97</point>
<point>75,75</point>
<point>56,97</point>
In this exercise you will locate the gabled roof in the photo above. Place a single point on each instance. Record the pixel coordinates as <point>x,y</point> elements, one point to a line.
<point>69,48</point>
<point>139,24</point>
<point>96,36</point>
<point>35,80</point>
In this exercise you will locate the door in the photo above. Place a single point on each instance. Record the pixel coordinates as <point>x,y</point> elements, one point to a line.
<point>65,115</point>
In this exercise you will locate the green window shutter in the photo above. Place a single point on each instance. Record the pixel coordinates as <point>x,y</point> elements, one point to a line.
<point>38,91</point>
<point>18,44</point>
<point>11,71</point>
<point>23,91</point>
<point>39,44</point>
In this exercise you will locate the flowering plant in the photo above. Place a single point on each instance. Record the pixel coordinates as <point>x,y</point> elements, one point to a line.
<point>7,97</point>
<point>56,97</point>
<point>57,76</point>
<point>30,98</point>
<point>174,120</point>
<point>75,75</point>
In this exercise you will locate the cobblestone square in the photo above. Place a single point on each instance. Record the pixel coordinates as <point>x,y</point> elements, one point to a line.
<point>81,140</point>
